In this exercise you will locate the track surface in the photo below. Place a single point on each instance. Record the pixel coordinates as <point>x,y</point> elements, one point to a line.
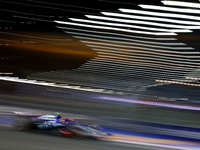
<point>15,140</point>
<point>12,140</point>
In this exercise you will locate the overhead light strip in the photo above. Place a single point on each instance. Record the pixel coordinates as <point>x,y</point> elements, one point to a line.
<point>172,15</point>
<point>149,58</point>
<point>183,4</point>
<point>181,10</point>
<point>124,39</point>
<point>142,52</point>
<point>125,46</point>
<point>117,34</point>
<point>132,43</point>
<point>130,27</point>
<point>139,63</point>
<point>115,29</point>
<point>163,25</point>
<point>194,66</point>
<point>191,23</point>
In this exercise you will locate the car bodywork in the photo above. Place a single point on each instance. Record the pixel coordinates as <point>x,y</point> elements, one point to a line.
<point>66,126</point>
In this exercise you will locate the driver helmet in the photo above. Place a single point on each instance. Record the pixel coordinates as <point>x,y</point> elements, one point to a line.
<point>58,115</point>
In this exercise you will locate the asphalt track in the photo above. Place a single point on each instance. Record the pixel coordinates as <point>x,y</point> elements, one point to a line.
<point>10,139</point>
<point>15,140</point>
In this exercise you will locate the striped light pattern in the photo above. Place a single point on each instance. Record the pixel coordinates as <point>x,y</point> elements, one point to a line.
<point>141,22</point>
<point>108,98</point>
<point>168,15</point>
<point>135,49</point>
<point>163,8</point>
<point>183,4</point>
<point>43,83</point>
<point>184,82</point>
<point>152,19</point>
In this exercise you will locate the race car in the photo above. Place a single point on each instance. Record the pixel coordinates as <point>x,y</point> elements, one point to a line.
<point>55,124</point>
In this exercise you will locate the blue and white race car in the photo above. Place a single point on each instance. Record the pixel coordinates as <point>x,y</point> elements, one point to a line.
<point>55,124</point>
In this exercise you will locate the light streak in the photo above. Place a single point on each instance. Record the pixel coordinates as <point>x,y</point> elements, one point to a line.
<point>32,18</point>
<point>131,72</point>
<point>23,13</point>
<point>65,5</point>
<point>149,58</point>
<point>175,82</point>
<point>10,40</point>
<point>185,80</point>
<point>142,52</point>
<point>5,73</point>
<point>194,66</point>
<point>132,43</point>
<point>172,15</point>
<point>99,43</point>
<point>45,7</point>
<point>152,18</point>
<point>170,9</point>
<point>116,29</point>
<point>125,25</point>
<point>143,48</point>
<point>35,37</point>
<point>162,104</point>
<point>16,79</point>
<point>192,78</point>
<point>117,34</point>
<point>122,72</point>
<point>184,28</point>
<point>184,4</point>
<point>7,21</point>
<point>117,2</point>
<point>128,66</point>
<point>139,63</point>
<point>125,39</point>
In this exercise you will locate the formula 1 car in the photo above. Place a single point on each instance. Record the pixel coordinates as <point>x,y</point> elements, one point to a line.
<point>52,124</point>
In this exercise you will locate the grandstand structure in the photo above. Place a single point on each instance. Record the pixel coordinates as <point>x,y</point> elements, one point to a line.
<point>140,47</point>
<point>136,48</point>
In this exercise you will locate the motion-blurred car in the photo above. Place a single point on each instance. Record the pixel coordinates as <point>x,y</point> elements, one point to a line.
<point>58,126</point>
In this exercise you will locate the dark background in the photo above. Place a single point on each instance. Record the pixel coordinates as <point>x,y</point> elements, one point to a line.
<point>22,58</point>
